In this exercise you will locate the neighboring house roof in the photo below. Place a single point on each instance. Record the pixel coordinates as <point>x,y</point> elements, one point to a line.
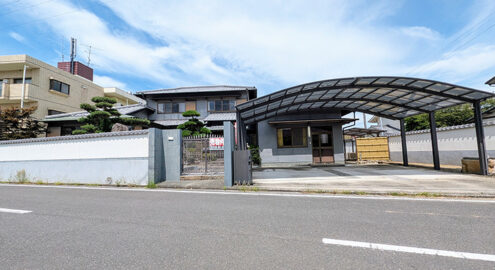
<point>197,89</point>
<point>119,93</point>
<point>374,119</point>
<point>491,81</point>
<point>362,131</point>
<point>215,128</point>
<point>171,122</point>
<point>123,110</point>
<point>220,117</point>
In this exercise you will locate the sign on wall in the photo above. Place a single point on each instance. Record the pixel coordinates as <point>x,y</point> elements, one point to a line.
<point>216,143</point>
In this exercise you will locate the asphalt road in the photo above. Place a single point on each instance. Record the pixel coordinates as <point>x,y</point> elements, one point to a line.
<point>79,228</point>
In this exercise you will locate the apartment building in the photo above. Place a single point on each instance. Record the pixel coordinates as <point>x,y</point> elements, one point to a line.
<point>53,90</point>
<point>215,104</point>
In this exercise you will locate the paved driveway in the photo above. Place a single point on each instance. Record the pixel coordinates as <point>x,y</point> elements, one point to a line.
<point>374,179</point>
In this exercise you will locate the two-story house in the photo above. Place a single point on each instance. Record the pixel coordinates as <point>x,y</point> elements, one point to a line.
<point>53,90</point>
<point>216,104</point>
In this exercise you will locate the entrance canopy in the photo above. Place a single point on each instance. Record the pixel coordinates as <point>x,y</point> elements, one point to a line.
<point>389,97</point>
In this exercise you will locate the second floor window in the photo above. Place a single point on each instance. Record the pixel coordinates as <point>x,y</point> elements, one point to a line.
<point>59,86</point>
<point>19,80</point>
<point>224,105</point>
<point>171,107</point>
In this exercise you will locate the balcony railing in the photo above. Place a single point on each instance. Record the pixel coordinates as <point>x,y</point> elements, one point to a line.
<point>13,92</point>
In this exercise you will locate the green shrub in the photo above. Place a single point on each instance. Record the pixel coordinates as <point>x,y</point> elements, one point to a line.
<point>255,154</point>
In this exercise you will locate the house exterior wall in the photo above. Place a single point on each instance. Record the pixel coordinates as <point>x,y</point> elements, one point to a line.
<point>271,154</point>
<point>201,104</point>
<point>454,143</point>
<point>38,93</point>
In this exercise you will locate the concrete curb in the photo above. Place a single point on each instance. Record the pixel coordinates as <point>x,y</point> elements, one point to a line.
<point>351,192</point>
<point>256,189</point>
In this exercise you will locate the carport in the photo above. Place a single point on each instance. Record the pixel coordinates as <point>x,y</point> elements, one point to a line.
<point>389,97</point>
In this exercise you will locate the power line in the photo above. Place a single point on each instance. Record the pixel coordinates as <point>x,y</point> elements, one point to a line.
<point>23,8</point>
<point>459,46</point>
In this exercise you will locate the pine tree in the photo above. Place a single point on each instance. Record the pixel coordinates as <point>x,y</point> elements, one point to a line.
<point>18,123</point>
<point>193,126</point>
<point>102,116</point>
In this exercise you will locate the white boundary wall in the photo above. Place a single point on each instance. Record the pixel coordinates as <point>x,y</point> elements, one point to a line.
<point>106,158</point>
<point>454,143</point>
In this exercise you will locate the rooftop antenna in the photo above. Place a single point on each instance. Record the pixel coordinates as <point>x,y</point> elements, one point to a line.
<point>73,50</point>
<point>62,49</point>
<point>89,55</point>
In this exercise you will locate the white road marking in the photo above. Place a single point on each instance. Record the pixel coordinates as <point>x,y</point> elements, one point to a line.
<point>435,214</point>
<point>424,251</point>
<point>14,211</point>
<point>256,193</point>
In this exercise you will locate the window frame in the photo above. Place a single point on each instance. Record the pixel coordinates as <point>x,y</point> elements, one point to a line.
<point>280,138</point>
<point>221,104</point>
<point>51,112</point>
<point>29,80</point>
<point>177,103</point>
<point>60,85</point>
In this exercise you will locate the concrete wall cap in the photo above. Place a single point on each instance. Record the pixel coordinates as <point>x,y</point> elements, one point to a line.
<point>471,125</point>
<point>77,137</point>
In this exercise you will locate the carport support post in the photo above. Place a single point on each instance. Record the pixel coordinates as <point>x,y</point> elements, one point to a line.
<point>480,136</point>
<point>404,143</point>
<point>434,141</point>
<point>228,148</point>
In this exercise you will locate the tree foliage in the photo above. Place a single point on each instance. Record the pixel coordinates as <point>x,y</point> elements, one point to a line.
<point>102,116</point>
<point>453,116</point>
<point>193,126</point>
<point>18,123</point>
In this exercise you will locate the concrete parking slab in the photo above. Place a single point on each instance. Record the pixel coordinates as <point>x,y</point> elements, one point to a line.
<point>373,179</point>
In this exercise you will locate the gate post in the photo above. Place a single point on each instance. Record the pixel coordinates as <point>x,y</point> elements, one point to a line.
<point>228,148</point>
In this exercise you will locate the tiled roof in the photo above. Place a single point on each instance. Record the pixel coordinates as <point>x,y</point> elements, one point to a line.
<point>196,89</point>
<point>471,125</point>
<point>78,137</point>
<point>220,117</point>
<point>215,128</point>
<point>171,122</point>
<point>124,110</point>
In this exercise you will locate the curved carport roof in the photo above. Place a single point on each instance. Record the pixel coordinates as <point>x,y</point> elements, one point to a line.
<point>389,97</point>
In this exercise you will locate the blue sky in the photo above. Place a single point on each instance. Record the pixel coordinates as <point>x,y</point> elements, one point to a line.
<point>268,44</point>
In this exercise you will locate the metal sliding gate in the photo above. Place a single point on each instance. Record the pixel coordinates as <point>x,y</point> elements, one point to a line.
<point>202,155</point>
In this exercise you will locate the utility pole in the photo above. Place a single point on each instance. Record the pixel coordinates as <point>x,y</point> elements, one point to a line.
<point>73,50</point>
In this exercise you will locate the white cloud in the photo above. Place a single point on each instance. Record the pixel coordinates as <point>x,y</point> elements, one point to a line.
<point>421,32</point>
<point>460,65</point>
<point>17,36</point>
<point>108,82</point>
<point>269,44</point>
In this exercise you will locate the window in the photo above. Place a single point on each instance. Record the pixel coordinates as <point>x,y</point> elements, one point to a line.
<point>292,137</point>
<point>171,107</point>
<point>19,80</point>
<point>54,112</point>
<point>59,86</point>
<point>224,105</point>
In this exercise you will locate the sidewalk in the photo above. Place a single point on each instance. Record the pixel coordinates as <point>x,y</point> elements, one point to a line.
<point>375,179</point>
